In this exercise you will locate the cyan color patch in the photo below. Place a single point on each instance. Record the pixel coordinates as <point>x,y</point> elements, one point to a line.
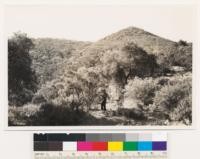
<point>145,146</point>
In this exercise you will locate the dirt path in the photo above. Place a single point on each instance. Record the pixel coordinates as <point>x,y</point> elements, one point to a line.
<point>99,117</point>
<point>109,117</point>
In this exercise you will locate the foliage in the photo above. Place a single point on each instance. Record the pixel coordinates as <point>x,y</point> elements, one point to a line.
<point>139,62</point>
<point>183,57</point>
<point>21,115</point>
<point>80,84</point>
<point>141,92</point>
<point>163,49</point>
<point>134,65</point>
<point>50,55</point>
<point>128,62</point>
<point>174,99</point>
<point>78,89</point>
<point>21,77</point>
<point>179,55</point>
<point>183,111</point>
<point>45,115</point>
<point>50,114</point>
<point>171,97</point>
<point>182,43</point>
<point>131,113</point>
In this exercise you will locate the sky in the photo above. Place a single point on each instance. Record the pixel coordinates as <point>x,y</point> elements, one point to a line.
<point>93,22</point>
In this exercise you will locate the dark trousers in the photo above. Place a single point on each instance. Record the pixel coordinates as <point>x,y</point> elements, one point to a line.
<point>103,105</point>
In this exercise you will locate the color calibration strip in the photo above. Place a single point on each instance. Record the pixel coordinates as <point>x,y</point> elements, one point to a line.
<point>100,142</point>
<point>101,146</point>
<point>135,144</point>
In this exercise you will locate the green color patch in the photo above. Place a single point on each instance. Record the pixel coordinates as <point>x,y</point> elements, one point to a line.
<point>130,146</point>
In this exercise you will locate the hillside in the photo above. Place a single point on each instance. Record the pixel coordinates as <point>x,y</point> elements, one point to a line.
<point>162,48</point>
<point>49,56</point>
<point>149,42</point>
<point>131,77</point>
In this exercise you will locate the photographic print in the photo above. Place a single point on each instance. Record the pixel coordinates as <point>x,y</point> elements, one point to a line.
<point>96,65</point>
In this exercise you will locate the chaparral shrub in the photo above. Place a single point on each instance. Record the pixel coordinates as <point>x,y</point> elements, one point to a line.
<point>174,99</point>
<point>141,91</point>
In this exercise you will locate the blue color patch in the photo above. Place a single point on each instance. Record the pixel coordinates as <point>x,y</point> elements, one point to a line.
<point>145,146</point>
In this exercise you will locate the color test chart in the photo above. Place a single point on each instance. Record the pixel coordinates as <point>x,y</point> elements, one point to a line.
<point>100,146</point>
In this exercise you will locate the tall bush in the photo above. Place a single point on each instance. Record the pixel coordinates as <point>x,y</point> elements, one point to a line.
<point>141,91</point>
<point>21,78</point>
<point>174,99</point>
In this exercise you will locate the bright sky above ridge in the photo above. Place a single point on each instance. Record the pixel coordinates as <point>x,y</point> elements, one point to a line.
<point>91,23</point>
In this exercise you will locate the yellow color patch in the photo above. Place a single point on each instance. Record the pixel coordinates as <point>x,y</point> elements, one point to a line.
<point>115,146</point>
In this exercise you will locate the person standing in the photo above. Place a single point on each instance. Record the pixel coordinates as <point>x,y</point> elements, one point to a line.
<point>104,100</point>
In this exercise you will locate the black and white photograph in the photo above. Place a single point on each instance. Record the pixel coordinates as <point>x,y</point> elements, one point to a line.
<point>100,65</point>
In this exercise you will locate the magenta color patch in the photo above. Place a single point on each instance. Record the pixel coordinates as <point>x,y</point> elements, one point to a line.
<point>84,146</point>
